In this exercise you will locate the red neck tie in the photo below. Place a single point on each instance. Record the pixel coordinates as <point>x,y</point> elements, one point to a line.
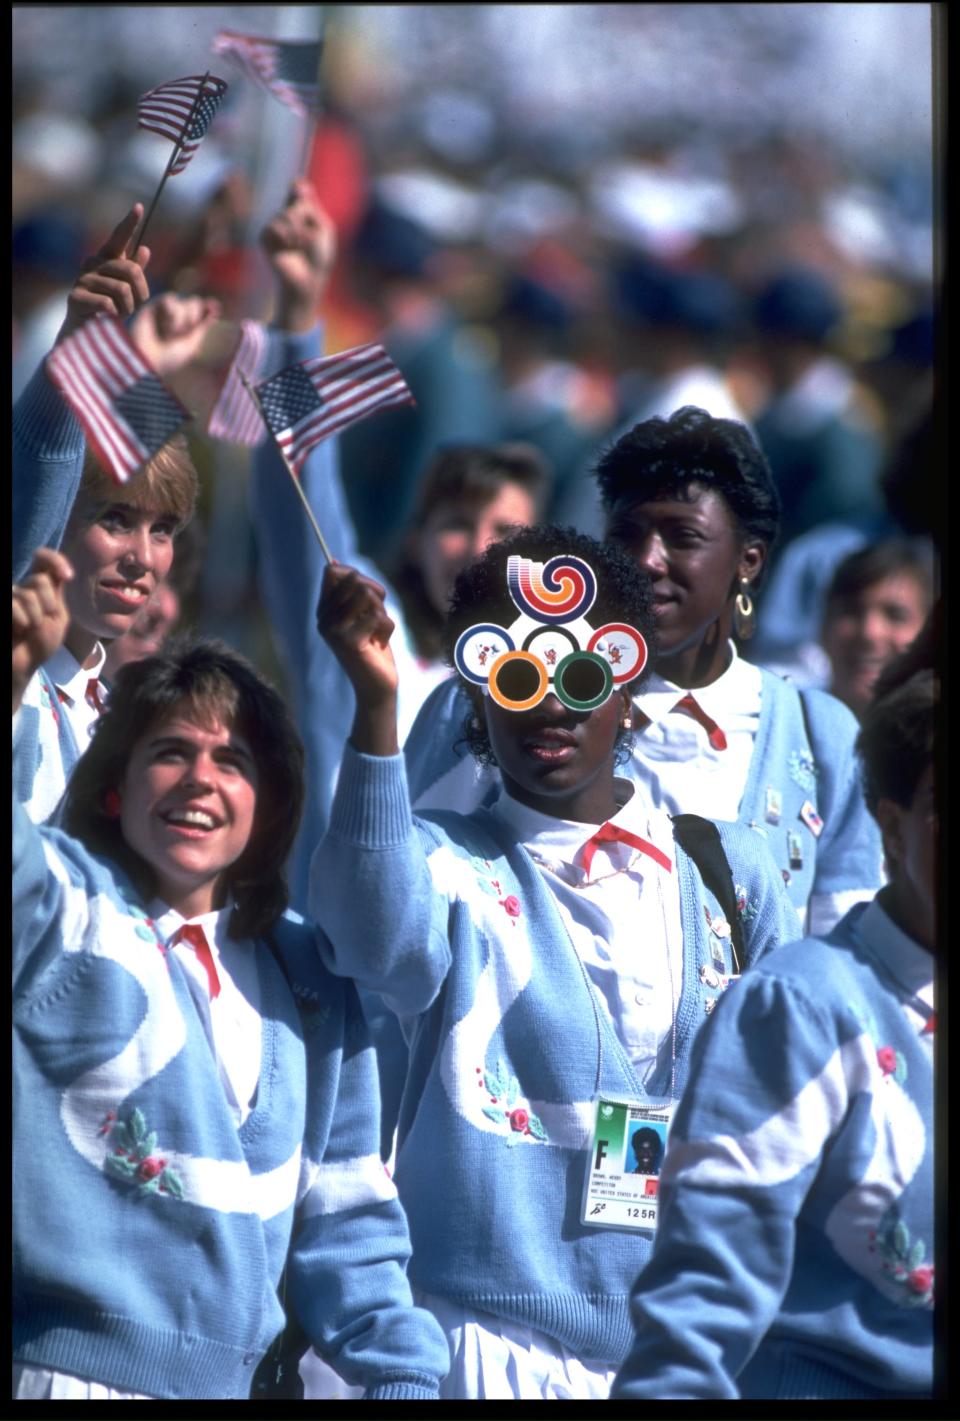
<point>612,833</point>
<point>196,938</point>
<point>93,697</point>
<point>714,734</point>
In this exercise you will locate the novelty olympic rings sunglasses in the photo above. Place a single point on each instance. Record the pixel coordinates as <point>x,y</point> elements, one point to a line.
<point>550,646</point>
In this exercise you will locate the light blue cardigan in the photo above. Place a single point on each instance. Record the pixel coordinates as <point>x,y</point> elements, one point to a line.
<point>149,1230</point>
<point>453,923</point>
<point>795,1256</point>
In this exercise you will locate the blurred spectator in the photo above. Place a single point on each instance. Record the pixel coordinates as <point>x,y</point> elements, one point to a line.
<point>48,249</point>
<point>547,397</point>
<point>876,605</point>
<point>451,377</point>
<point>818,428</point>
<point>470,496</point>
<point>673,330</point>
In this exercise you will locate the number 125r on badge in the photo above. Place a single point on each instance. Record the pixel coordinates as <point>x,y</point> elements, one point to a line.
<point>623,1171</point>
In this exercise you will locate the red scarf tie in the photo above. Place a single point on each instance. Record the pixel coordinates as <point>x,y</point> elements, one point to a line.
<point>196,938</point>
<point>714,734</point>
<point>612,833</point>
<point>93,697</point>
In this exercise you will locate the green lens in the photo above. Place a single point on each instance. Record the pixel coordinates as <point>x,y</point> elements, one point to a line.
<point>583,680</point>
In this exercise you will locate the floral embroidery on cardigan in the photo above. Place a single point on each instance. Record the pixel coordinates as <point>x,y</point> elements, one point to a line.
<point>892,1063</point>
<point>903,1261</point>
<point>509,902</point>
<point>135,1159</point>
<point>506,1108</point>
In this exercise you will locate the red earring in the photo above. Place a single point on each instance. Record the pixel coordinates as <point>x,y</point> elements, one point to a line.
<point>111,804</point>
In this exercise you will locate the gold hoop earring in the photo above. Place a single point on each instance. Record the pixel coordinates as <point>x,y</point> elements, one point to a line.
<point>744,613</point>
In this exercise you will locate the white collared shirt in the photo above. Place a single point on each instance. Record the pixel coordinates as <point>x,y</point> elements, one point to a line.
<point>71,680</point>
<point>232,1018</point>
<point>685,774</point>
<point>625,922</point>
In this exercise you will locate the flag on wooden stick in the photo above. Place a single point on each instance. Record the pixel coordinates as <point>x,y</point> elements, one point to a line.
<point>182,111</point>
<point>289,69</point>
<point>308,402</point>
<point>235,417</point>
<point>126,411</point>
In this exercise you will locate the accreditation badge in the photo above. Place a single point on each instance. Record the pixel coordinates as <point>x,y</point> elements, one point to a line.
<point>623,1171</point>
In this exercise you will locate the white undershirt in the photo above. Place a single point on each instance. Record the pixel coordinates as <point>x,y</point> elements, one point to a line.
<point>232,1018</point>
<point>624,922</point>
<point>684,773</point>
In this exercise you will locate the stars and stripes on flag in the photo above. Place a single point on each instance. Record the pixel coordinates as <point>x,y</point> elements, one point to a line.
<point>126,411</point>
<point>290,69</point>
<point>309,401</point>
<point>182,111</point>
<point>235,416</point>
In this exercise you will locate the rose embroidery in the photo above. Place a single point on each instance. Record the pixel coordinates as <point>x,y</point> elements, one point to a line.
<point>904,1261</point>
<point>509,902</point>
<point>920,1280</point>
<point>505,1109</point>
<point>134,1159</point>
<point>892,1063</point>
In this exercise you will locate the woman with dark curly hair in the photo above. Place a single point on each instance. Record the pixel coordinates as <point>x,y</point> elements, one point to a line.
<point>196,1097</point>
<point>692,501</point>
<point>554,948</point>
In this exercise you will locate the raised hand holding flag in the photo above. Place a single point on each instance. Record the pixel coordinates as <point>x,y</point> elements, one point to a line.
<point>126,411</point>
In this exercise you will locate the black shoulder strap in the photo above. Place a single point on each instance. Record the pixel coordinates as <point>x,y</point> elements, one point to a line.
<point>700,838</point>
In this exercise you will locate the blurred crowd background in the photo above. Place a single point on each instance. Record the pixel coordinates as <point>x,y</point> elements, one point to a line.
<point>560,219</point>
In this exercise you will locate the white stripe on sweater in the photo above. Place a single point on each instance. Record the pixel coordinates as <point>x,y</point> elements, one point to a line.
<point>329,1188</point>
<point>503,978</point>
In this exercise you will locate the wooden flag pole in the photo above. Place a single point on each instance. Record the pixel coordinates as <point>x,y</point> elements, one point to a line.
<point>138,241</point>
<point>289,468</point>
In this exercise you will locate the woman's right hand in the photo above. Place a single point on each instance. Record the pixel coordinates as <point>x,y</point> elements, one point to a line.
<point>353,621</point>
<point>40,616</point>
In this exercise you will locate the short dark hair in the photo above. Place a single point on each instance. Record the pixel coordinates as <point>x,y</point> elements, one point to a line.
<point>867,566</point>
<point>895,744</point>
<point>660,456</point>
<point>216,683</point>
<point>481,594</point>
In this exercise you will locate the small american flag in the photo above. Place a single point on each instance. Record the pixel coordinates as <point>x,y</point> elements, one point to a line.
<point>235,417</point>
<point>290,69</point>
<point>126,411</point>
<point>310,401</point>
<point>182,111</point>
